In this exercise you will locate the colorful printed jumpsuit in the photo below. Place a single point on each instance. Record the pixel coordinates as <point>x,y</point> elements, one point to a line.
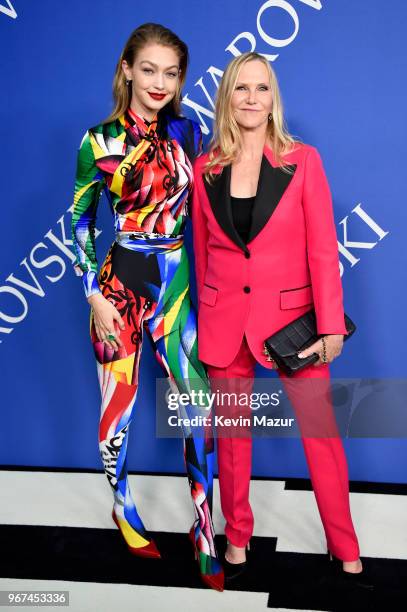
<point>145,170</point>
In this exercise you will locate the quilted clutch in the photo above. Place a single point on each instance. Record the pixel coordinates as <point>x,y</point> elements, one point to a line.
<point>298,335</point>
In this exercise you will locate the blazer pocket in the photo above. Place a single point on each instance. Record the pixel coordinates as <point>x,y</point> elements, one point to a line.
<point>294,298</point>
<point>208,295</point>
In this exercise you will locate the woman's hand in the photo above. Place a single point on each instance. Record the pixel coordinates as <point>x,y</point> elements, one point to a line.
<point>333,343</point>
<point>107,320</point>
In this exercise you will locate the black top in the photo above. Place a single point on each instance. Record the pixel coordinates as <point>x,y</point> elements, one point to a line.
<point>242,215</point>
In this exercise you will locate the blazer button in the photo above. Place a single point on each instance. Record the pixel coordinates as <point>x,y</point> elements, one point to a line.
<point>247,254</point>
<point>246,289</point>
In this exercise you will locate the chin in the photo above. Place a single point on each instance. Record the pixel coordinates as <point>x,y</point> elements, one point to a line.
<point>249,125</point>
<point>156,105</point>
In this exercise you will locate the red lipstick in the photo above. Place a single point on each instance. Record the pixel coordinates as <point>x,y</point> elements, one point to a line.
<point>157,96</point>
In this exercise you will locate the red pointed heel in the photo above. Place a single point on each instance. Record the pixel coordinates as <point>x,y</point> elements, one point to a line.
<point>150,551</point>
<point>213,581</point>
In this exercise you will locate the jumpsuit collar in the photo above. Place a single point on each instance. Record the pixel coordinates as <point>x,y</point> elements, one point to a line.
<point>142,125</point>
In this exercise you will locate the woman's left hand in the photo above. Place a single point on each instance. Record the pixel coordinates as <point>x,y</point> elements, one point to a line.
<point>333,343</point>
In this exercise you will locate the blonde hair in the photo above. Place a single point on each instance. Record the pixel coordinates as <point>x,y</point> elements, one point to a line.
<point>226,142</point>
<point>143,35</point>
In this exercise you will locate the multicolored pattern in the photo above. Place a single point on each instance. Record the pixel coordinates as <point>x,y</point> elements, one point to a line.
<point>146,276</point>
<point>146,177</point>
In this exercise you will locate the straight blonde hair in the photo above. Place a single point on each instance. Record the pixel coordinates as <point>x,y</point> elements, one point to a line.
<point>144,35</point>
<point>226,142</point>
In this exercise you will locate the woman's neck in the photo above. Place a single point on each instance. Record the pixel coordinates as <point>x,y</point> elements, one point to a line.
<point>145,114</point>
<point>253,142</point>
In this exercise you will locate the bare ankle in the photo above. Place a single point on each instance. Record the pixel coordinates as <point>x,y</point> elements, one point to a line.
<point>355,567</point>
<point>235,554</point>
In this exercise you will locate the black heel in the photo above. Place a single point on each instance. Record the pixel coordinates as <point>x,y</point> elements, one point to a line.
<point>360,579</point>
<point>233,570</point>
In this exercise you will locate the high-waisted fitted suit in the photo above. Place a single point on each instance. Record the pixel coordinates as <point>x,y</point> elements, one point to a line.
<point>145,170</point>
<point>281,261</point>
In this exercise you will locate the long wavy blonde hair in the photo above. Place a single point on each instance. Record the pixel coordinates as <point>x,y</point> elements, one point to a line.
<point>143,35</point>
<point>226,142</point>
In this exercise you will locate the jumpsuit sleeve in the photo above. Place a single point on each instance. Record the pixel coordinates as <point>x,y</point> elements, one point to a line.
<point>198,142</point>
<point>199,229</point>
<point>89,183</point>
<point>196,148</point>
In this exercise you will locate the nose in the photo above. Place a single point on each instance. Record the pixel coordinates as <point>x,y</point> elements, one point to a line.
<point>251,99</point>
<point>159,81</point>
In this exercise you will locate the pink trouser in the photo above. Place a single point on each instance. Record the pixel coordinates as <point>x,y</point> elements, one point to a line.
<point>322,444</point>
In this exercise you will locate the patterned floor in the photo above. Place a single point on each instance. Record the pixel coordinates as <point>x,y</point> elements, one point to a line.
<point>57,534</point>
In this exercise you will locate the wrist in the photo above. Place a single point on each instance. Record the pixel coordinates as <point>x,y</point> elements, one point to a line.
<point>90,283</point>
<point>94,297</point>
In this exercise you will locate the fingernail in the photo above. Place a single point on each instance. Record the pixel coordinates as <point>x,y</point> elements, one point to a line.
<point>300,354</point>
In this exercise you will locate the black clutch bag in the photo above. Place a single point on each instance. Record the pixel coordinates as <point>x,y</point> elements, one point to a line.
<point>283,346</point>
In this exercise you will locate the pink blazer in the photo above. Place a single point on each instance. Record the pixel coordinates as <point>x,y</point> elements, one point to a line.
<point>289,263</point>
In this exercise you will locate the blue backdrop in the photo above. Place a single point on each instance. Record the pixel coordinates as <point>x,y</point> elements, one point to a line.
<point>340,68</point>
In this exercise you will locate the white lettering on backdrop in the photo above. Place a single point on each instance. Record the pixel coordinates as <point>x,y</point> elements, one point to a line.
<point>18,291</point>
<point>8,10</point>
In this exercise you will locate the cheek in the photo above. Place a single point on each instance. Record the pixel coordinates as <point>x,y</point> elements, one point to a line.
<point>172,85</point>
<point>140,81</point>
<point>235,101</point>
<point>268,102</point>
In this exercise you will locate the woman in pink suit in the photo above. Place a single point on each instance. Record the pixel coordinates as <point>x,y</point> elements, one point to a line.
<point>266,252</point>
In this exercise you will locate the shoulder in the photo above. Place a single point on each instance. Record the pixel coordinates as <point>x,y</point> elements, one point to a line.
<point>184,128</point>
<point>299,150</point>
<point>110,128</point>
<point>187,133</point>
<point>85,143</point>
<point>308,150</point>
<point>313,160</point>
<point>98,135</point>
<point>88,138</point>
<point>184,122</point>
<point>304,154</point>
<point>200,162</point>
<point>195,127</point>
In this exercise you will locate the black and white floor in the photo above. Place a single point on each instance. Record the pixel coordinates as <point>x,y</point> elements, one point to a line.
<point>57,534</point>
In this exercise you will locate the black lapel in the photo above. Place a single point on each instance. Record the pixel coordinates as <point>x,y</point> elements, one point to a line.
<point>271,187</point>
<point>219,198</point>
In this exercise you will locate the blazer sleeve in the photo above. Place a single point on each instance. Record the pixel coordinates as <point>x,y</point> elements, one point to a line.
<point>322,247</point>
<point>199,229</point>
<point>89,183</point>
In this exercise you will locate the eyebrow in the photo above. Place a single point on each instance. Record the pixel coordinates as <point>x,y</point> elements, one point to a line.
<point>155,65</point>
<point>241,83</point>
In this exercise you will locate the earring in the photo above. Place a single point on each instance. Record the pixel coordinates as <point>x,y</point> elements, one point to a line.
<point>270,116</point>
<point>128,82</point>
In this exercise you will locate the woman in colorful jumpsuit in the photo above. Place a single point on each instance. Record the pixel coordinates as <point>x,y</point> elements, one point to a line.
<point>141,156</point>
